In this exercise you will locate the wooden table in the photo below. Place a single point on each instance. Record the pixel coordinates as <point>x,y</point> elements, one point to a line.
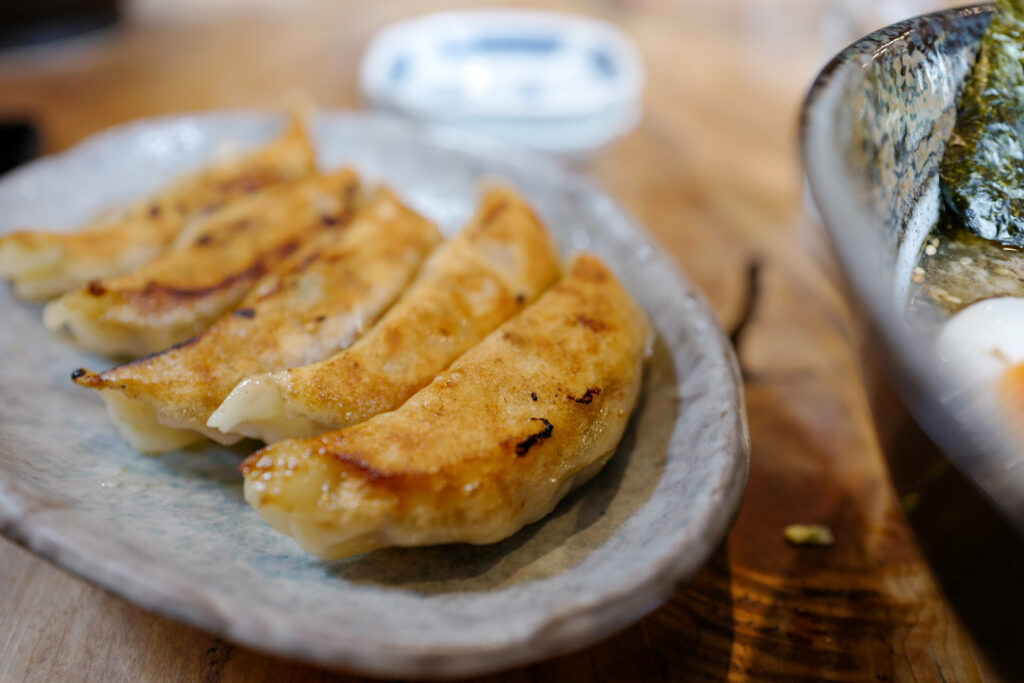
<point>713,172</point>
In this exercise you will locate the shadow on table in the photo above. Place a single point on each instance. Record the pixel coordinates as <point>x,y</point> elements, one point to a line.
<point>689,638</point>
<point>974,552</point>
<point>693,636</point>
<point>816,613</point>
<point>858,608</point>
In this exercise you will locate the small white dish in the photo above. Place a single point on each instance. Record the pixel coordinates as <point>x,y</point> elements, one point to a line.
<point>557,83</point>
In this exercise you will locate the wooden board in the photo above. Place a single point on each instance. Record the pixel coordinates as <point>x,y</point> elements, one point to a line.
<point>713,172</point>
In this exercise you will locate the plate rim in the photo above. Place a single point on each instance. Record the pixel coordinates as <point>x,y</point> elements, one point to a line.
<point>583,621</point>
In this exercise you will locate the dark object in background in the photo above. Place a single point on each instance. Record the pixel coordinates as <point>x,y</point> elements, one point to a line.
<point>19,142</point>
<point>974,552</point>
<point>24,22</point>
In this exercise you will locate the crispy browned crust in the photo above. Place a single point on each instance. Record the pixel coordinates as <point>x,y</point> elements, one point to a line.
<point>43,264</point>
<point>490,445</point>
<point>185,289</point>
<point>316,302</point>
<point>499,264</point>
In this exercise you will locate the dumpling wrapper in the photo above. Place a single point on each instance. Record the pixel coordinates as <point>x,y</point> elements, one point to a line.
<point>492,444</point>
<point>501,262</point>
<point>317,302</point>
<point>183,290</point>
<point>43,264</point>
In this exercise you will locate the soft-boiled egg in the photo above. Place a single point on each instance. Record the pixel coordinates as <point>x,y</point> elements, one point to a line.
<point>982,341</point>
<point>982,348</point>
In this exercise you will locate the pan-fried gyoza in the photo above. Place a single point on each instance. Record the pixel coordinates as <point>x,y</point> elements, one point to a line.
<point>492,444</point>
<point>318,301</point>
<point>413,394</point>
<point>500,263</point>
<point>43,264</point>
<point>181,292</point>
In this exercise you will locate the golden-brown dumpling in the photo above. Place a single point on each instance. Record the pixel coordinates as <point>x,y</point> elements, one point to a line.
<point>317,302</point>
<point>42,264</point>
<point>500,263</point>
<point>492,444</point>
<point>183,290</point>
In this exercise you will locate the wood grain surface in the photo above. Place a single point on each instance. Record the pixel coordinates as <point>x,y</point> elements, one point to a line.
<point>713,172</point>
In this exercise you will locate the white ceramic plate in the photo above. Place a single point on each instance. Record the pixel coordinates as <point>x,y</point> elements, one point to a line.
<point>174,535</point>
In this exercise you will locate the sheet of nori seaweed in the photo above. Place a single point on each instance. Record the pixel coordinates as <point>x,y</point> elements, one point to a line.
<point>982,171</point>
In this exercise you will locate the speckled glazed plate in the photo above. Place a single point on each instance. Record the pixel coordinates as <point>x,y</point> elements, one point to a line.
<point>173,533</point>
